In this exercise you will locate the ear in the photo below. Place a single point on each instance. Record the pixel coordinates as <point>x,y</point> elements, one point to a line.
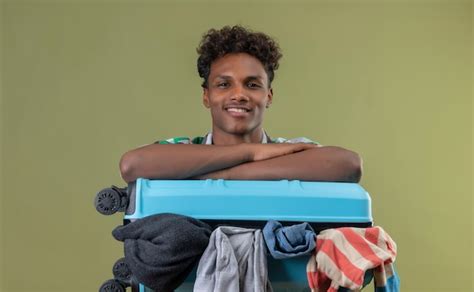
<point>270,97</point>
<point>205,97</point>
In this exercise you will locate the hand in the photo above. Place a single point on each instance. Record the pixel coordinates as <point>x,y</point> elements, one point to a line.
<point>267,151</point>
<point>219,174</point>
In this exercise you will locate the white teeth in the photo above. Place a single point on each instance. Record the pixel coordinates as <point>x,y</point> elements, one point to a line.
<point>237,110</point>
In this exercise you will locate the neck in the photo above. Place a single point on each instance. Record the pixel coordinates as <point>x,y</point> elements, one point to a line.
<point>222,138</point>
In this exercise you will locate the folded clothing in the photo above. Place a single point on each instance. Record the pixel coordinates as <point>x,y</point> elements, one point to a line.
<point>343,255</point>
<point>290,241</point>
<point>234,261</point>
<point>161,250</point>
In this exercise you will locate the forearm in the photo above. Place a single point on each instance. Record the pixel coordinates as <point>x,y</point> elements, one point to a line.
<point>320,164</point>
<point>157,161</point>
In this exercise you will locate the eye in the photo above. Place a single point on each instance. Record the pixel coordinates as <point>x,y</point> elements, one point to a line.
<point>222,84</point>
<point>253,85</point>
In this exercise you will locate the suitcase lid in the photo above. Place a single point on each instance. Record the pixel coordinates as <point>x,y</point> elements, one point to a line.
<point>294,201</point>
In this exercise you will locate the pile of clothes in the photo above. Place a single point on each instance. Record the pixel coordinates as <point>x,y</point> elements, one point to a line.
<point>161,251</point>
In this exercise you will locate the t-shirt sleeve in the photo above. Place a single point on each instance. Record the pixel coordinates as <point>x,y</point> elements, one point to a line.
<point>295,140</point>
<point>177,140</point>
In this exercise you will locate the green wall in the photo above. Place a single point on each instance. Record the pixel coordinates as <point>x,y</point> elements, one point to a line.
<point>84,81</point>
<point>1,149</point>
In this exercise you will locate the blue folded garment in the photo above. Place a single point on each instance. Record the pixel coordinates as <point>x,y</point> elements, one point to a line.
<point>289,241</point>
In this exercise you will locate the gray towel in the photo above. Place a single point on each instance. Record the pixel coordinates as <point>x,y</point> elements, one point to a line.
<point>234,261</point>
<point>162,249</point>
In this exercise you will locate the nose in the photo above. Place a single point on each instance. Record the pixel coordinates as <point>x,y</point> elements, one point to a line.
<point>239,94</point>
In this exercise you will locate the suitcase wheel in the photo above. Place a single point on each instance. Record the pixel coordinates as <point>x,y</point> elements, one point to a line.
<point>108,201</point>
<point>121,271</point>
<point>112,286</point>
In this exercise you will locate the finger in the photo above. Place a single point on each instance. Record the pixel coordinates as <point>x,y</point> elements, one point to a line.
<point>305,146</point>
<point>301,147</point>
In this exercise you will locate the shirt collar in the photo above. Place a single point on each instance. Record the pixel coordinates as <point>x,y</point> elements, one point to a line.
<point>208,138</point>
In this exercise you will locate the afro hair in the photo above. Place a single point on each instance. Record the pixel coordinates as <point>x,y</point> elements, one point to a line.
<point>237,39</point>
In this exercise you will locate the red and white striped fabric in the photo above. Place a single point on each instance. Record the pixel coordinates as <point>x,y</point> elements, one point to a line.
<point>343,255</point>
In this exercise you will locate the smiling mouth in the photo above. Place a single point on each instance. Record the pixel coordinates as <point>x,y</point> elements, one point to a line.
<point>237,110</point>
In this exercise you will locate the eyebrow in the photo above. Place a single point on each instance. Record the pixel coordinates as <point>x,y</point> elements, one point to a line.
<point>227,77</point>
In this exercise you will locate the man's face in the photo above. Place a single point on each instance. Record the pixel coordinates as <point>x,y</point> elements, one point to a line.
<point>237,95</point>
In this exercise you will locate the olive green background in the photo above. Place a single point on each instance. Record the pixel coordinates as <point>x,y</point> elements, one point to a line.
<point>84,81</point>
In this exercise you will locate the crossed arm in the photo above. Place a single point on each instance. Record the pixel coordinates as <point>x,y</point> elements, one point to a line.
<point>246,161</point>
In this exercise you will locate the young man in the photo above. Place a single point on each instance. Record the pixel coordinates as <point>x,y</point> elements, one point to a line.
<point>237,66</point>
